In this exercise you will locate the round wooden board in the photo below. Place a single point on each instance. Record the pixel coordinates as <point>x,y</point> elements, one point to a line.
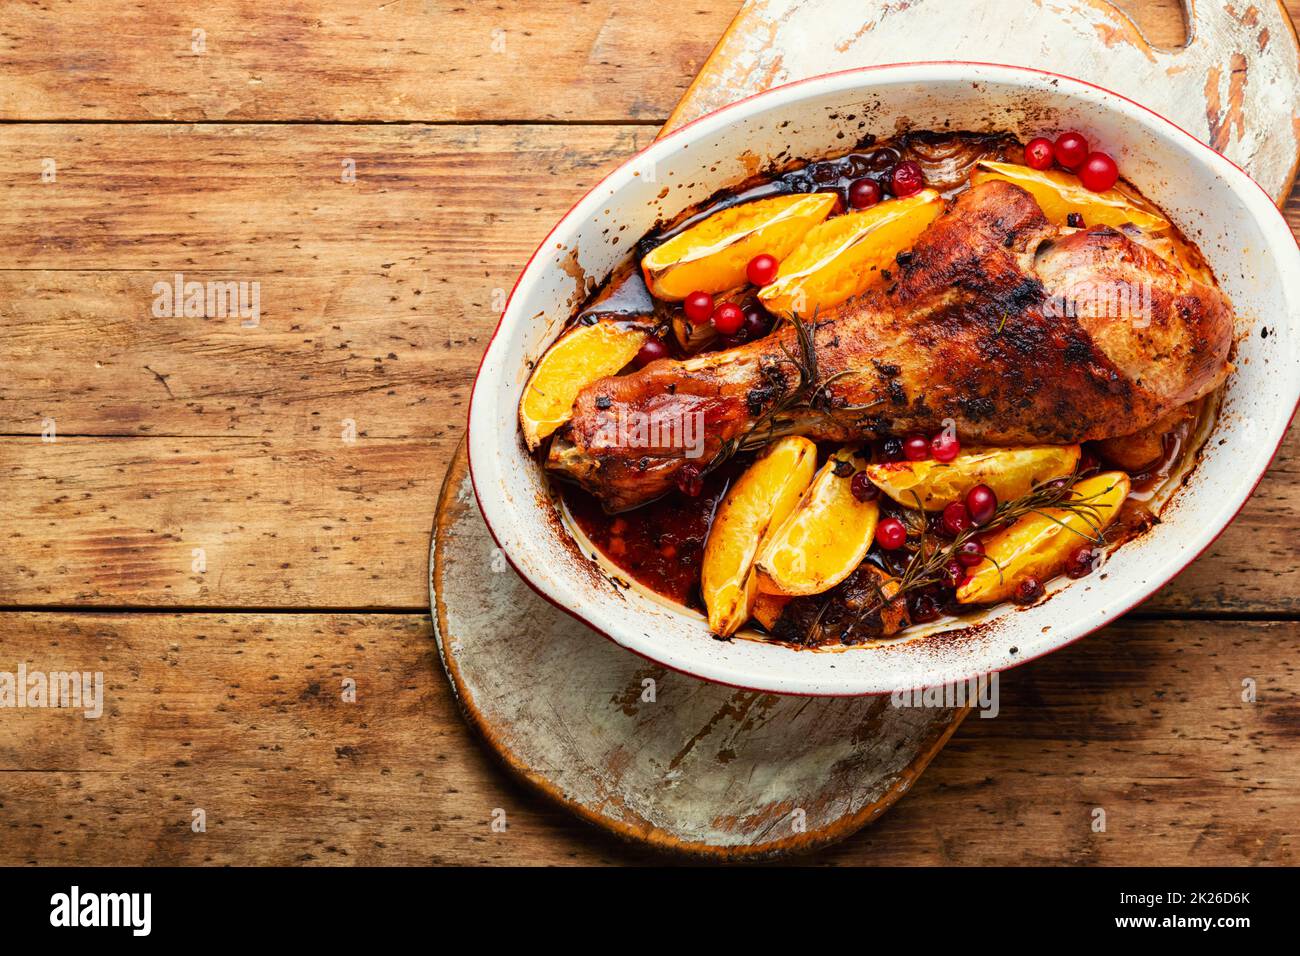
<point>648,753</point>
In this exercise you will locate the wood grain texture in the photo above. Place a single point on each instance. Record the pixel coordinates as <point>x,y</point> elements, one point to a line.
<point>399,60</point>
<point>385,332</point>
<point>241,715</point>
<point>236,437</point>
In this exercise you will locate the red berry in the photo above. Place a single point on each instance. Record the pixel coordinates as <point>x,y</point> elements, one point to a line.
<point>1071,150</point>
<point>944,446</point>
<point>891,449</point>
<point>762,269</point>
<point>1039,153</point>
<point>864,193</point>
<point>1029,590</point>
<point>1079,564</point>
<point>970,553</point>
<point>699,307</point>
<point>954,574</point>
<point>956,518</point>
<point>728,318</point>
<point>916,448</point>
<point>690,480</point>
<point>982,504</point>
<point>757,323</point>
<point>862,487</point>
<point>906,179</point>
<point>890,534</point>
<point>1099,172</point>
<point>653,350</point>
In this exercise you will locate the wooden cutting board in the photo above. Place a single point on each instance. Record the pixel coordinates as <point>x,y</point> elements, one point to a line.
<point>713,771</point>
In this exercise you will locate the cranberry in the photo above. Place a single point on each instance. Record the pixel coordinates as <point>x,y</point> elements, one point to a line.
<point>728,318</point>
<point>1079,564</point>
<point>1071,150</point>
<point>970,553</point>
<point>944,446</point>
<point>1039,153</point>
<point>1099,172</point>
<point>906,179</point>
<point>956,518</point>
<point>690,480</point>
<point>982,504</point>
<point>891,449</point>
<point>757,323</point>
<point>1074,220</point>
<point>862,488</point>
<point>699,307</point>
<point>954,574</point>
<point>1029,590</point>
<point>864,193</point>
<point>890,534</point>
<point>923,608</point>
<point>762,269</point>
<point>653,350</point>
<point>916,448</point>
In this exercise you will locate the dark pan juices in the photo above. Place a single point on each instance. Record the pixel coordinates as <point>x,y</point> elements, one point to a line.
<point>661,545</point>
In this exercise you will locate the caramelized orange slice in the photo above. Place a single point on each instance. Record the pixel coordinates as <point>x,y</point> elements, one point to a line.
<point>1059,193</point>
<point>824,539</point>
<point>581,356</point>
<point>757,503</point>
<point>711,256</point>
<point>1010,472</point>
<point>768,608</point>
<point>845,256</point>
<point>1038,545</point>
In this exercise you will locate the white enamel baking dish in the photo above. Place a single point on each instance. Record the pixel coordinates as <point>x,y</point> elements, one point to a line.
<point>1237,227</point>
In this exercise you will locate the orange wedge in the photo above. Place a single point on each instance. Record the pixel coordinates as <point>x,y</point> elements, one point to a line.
<point>824,539</point>
<point>768,608</point>
<point>758,502</point>
<point>1010,472</point>
<point>1040,544</point>
<point>711,256</point>
<point>845,256</point>
<point>1059,193</point>
<point>582,355</point>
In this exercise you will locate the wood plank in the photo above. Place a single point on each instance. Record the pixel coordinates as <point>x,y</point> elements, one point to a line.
<point>280,524</point>
<point>353,60</point>
<point>388,330</point>
<point>241,715</point>
<point>608,60</point>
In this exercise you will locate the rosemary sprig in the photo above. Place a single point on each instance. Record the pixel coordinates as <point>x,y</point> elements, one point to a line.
<point>810,393</point>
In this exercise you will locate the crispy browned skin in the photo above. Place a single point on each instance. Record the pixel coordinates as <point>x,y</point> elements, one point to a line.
<point>997,321</point>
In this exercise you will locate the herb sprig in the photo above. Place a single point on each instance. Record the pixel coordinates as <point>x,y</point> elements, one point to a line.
<point>810,393</point>
<point>929,555</point>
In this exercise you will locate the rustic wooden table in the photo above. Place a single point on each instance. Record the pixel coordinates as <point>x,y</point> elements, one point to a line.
<point>230,519</point>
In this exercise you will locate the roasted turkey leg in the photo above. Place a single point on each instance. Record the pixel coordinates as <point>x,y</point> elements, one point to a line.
<point>1013,330</point>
